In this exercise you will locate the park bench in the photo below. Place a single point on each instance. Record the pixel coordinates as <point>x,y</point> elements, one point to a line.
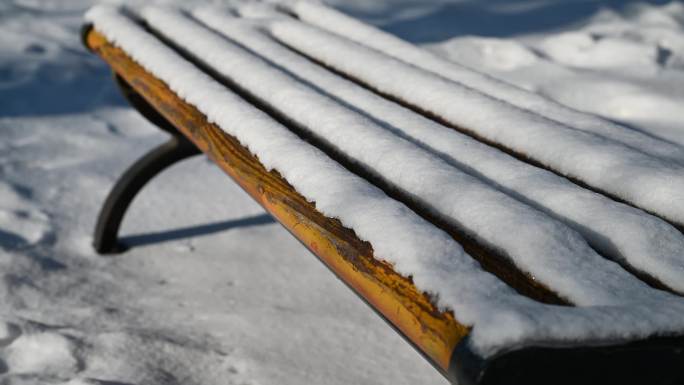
<point>509,239</point>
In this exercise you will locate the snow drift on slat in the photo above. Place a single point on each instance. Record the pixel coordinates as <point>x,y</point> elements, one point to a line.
<point>324,17</point>
<point>645,181</point>
<point>619,231</point>
<point>500,317</point>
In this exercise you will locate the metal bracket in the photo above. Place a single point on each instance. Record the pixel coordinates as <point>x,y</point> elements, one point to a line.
<point>177,148</point>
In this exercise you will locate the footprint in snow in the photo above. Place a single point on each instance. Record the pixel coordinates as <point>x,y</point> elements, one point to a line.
<point>21,222</point>
<point>40,355</point>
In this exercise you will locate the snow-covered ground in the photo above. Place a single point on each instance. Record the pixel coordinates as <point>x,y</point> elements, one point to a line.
<point>206,297</point>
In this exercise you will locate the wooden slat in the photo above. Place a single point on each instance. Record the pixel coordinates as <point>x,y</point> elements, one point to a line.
<point>433,332</point>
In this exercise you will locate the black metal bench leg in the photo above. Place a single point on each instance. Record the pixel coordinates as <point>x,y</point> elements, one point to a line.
<point>128,186</point>
<point>134,179</point>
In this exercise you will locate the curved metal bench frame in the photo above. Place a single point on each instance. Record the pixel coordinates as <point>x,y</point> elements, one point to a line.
<point>175,149</point>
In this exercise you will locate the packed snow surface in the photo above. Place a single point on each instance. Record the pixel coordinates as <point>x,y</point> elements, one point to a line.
<point>206,295</point>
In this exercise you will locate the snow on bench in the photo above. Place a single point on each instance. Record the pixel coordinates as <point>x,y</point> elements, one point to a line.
<point>619,231</point>
<point>604,164</point>
<point>533,224</point>
<point>336,22</point>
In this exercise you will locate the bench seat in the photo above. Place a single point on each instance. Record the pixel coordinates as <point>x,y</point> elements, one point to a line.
<point>482,306</point>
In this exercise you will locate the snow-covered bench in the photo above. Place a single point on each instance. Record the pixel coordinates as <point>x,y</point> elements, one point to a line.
<point>510,239</point>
